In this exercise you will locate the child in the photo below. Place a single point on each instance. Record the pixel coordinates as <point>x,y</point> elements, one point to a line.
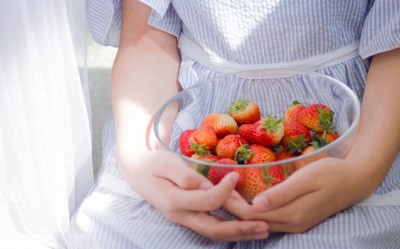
<point>167,205</point>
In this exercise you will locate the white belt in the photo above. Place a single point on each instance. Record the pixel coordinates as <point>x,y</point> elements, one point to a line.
<point>192,50</point>
<point>119,186</point>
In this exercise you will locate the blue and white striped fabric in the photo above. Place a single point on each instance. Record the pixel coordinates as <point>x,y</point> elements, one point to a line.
<point>249,33</point>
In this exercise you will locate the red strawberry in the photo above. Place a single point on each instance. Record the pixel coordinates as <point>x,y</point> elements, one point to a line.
<point>255,180</point>
<point>305,161</point>
<point>223,124</point>
<point>319,140</point>
<point>201,168</point>
<point>268,131</point>
<point>296,137</point>
<point>184,143</point>
<point>253,183</point>
<point>328,137</point>
<point>215,174</point>
<point>243,154</point>
<point>261,154</point>
<point>316,117</point>
<point>292,112</point>
<point>247,132</point>
<point>203,140</point>
<point>283,155</point>
<point>244,111</point>
<point>227,146</point>
<point>274,174</point>
<point>308,149</point>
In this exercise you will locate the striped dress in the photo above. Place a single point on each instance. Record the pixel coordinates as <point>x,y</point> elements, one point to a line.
<point>248,34</point>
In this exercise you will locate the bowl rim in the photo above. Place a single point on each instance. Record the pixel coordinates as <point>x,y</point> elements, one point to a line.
<point>322,150</point>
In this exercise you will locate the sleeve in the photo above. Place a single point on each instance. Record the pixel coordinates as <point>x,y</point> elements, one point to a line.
<point>104,19</point>
<point>381,30</point>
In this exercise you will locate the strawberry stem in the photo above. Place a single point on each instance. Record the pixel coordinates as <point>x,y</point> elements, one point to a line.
<point>243,154</point>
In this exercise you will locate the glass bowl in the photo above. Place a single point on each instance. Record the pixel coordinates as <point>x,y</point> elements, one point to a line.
<point>274,92</point>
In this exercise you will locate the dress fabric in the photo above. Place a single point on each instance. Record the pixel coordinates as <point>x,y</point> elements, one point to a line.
<point>256,33</point>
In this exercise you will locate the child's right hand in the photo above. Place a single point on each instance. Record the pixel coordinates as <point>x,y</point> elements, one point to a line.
<point>186,197</point>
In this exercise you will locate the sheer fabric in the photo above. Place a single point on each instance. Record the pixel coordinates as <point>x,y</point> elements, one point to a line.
<point>45,138</point>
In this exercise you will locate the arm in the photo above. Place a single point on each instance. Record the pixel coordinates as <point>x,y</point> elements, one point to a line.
<point>144,76</point>
<point>378,140</point>
<point>335,184</point>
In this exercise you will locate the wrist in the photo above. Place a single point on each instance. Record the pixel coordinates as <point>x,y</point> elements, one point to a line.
<point>370,170</point>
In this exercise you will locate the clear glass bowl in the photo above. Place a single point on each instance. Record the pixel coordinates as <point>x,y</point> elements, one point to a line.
<point>273,91</point>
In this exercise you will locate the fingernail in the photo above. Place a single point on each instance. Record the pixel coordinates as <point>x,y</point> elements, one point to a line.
<point>235,177</point>
<point>205,185</point>
<point>262,235</point>
<point>260,229</point>
<point>261,203</point>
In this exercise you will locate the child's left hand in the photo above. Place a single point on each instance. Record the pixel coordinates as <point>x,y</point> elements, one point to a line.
<point>308,197</point>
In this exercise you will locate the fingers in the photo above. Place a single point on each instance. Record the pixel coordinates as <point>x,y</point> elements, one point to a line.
<point>174,169</point>
<point>184,176</point>
<point>218,230</point>
<point>199,199</point>
<point>297,185</point>
<point>240,207</point>
<point>302,214</point>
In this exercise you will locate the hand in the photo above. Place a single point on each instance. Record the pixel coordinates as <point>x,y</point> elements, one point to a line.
<point>308,197</point>
<point>186,197</point>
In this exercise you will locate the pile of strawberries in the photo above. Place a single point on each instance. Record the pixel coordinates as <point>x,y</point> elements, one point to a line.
<point>243,136</point>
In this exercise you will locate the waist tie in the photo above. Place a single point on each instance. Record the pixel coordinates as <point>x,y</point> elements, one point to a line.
<point>193,51</point>
<point>119,186</point>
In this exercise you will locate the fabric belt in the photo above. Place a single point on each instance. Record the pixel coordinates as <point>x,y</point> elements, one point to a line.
<point>119,186</point>
<point>192,50</point>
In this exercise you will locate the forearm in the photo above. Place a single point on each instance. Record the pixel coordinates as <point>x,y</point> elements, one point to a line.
<point>378,139</point>
<point>144,76</point>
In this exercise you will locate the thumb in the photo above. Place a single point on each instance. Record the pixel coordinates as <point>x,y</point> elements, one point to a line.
<point>185,177</point>
<point>283,193</point>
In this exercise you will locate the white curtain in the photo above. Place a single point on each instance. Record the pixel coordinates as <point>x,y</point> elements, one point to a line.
<point>45,138</point>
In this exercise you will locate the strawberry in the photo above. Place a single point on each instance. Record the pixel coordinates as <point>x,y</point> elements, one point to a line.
<point>274,174</point>
<point>184,144</point>
<point>201,168</point>
<point>244,111</point>
<point>203,140</point>
<point>243,154</point>
<point>223,124</point>
<point>316,117</point>
<point>247,132</point>
<point>328,137</point>
<point>319,140</point>
<point>305,161</point>
<point>283,155</point>
<point>257,179</point>
<point>296,137</point>
<point>308,149</point>
<point>253,183</point>
<point>292,112</point>
<point>227,146</point>
<point>261,154</point>
<point>215,174</point>
<point>268,131</point>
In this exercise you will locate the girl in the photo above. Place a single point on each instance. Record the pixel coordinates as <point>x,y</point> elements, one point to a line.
<point>168,44</point>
